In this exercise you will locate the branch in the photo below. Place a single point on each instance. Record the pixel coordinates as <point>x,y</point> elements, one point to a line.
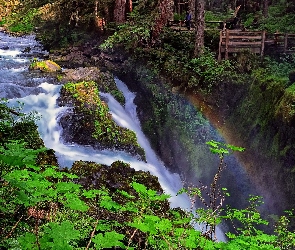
<point>13,228</point>
<point>130,239</point>
<point>92,234</point>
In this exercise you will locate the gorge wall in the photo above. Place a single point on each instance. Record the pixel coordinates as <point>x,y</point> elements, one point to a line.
<point>252,114</point>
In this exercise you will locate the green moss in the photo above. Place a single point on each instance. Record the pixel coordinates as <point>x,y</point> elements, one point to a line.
<point>286,106</point>
<point>104,129</point>
<point>108,85</point>
<point>45,66</point>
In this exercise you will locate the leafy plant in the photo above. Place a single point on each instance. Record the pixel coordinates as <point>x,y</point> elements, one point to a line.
<point>206,70</point>
<point>210,215</point>
<point>23,22</point>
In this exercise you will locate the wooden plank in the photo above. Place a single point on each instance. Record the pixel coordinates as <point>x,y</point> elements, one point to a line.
<point>234,49</point>
<point>237,43</point>
<point>245,37</point>
<point>244,34</point>
<point>285,43</point>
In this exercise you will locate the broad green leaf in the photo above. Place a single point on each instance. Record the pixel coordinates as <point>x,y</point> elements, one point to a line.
<point>74,202</point>
<point>59,236</point>
<point>139,188</point>
<point>28,241</point>
<point>108,240</point>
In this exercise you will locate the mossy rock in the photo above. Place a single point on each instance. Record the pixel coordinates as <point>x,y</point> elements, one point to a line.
<point>118,176</point>
<point>45,66</point>
<point>92,124</point>
<point>104,80</point>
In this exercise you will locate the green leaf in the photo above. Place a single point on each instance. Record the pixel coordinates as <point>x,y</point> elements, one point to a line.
<point>75,203</point>
<point>16,154</point>
<point>125,194</point>
<point>108,240</point>
<point>28,242</point>
<point>109,204</point>
<point>64,187</point>
<point>59,236</point>
<point>91,193</point>
<point>139,188</point>
<point>103,225</point>
<point>52,172</point>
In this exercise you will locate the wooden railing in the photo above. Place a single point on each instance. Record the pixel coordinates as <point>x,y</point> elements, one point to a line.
<point>258,42</point>
<point>232,41</point>
<point>282,43</point>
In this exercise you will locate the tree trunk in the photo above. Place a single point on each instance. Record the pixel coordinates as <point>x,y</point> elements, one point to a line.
<point>165,13</point>
<point>200,26</point>
<point>192,8</point>
<point>119,11</point>
<point>265,8</point>
<point>128,6</point>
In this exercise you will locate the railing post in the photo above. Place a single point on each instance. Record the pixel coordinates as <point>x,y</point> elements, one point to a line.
<point>262,43</point>
<point>285,43</point>
<point>220,44</point>
<point>226,44</point>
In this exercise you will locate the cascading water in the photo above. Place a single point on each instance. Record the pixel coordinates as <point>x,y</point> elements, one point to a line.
<point>19,85</point>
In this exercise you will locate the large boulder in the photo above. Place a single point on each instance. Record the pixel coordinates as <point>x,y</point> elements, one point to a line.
<point>90,123</point>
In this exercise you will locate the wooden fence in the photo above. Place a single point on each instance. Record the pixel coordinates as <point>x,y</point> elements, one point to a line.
<point>258,42</point>
<point>232,41</point>
<point>281,43</point>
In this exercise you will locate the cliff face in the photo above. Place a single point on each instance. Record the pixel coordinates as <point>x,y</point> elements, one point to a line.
<point>259,116</point>
<point>256,115</point>
<point>263,121</point>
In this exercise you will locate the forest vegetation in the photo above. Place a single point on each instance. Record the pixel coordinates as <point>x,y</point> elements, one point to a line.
<point>43,207</point>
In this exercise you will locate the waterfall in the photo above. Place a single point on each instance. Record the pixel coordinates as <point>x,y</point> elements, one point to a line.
<point>39,95</point>
<point>45,104</point>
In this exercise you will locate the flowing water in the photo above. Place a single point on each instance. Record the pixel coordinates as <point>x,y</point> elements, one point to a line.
<point>39,93</point>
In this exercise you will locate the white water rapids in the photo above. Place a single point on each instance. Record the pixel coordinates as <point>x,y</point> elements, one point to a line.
<point>39,95</point>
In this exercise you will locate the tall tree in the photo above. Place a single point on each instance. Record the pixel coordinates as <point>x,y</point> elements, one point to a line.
<point>165,11</point>
<point>200,26</point>
<point>119,11</point>
<point>265,8</point>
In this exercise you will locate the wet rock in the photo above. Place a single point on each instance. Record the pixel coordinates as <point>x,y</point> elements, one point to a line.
<point>4,48</point>
<point>104,80</point>
<point>81,74</point>
<point>26,50</point>
<point>119,175</point>
<point>45,66</point>
<point>72,57</point>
